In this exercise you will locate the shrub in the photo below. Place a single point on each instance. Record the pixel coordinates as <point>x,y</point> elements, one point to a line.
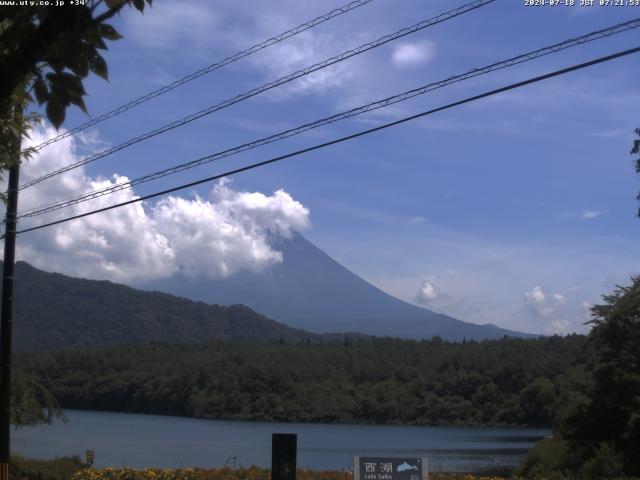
<point>546,460</point>
<point>62,468</point>
<point>606,463</point>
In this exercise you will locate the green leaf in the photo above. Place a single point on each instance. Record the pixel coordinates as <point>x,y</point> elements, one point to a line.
<point>55,62</point>
<point>75,57</point>
<point>94,39</point>
<point>114,3</point>
<point>139,4</point>
<point>14,130</point>
<point>108,32</point>
<point>70,82</point>
<point>61,94</point>
<point>41,91</point>
<point>99,66</point>
<point>80,65</point>
<point>55,111</point>
<point>79,102</point>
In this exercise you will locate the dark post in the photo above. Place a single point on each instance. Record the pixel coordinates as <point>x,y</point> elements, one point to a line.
<point>284,448</point>
<point>7,319</point>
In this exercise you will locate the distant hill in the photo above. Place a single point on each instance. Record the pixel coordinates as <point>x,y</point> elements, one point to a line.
<point>53,311</point>
<point>310,290</point>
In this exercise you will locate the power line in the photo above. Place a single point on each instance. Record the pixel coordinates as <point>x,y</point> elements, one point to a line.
<point>603,33</point>
<point>341,139</point>
<point>214,66</point>
<point>268,86</point>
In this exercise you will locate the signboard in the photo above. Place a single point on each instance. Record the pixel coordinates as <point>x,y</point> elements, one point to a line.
<point>390,468</point>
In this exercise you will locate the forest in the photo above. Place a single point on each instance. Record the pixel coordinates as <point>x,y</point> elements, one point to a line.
<point>54,311</point>
<point>381,380</point>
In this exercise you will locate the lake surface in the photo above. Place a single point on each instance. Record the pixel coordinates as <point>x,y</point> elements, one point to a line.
<point>170,442</point>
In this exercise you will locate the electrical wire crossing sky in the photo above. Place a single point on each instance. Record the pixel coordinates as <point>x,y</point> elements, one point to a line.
<point>525,57</point>
<point>270,85</point>
<point>342,139</point>
<point>517,209</point>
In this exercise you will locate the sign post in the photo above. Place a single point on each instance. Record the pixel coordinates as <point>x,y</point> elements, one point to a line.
<point>390,468</point>
<point>284,450</point>
<point>90,455</point>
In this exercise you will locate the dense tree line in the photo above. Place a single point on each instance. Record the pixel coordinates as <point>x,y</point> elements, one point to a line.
<point>500,382</point>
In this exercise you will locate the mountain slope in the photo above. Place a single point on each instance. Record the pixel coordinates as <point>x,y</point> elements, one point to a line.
<point>310,290</point>
<point>54,311</point>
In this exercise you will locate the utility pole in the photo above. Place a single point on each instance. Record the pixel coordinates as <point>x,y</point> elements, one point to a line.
<point>7,318</point>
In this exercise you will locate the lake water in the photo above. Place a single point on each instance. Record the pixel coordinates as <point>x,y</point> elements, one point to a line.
<point>169,442</point>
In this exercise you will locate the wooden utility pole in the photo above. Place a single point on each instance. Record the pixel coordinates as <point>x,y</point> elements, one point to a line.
<point>7,319</point>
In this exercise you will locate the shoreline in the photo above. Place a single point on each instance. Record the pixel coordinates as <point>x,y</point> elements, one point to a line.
<point>297,422</point>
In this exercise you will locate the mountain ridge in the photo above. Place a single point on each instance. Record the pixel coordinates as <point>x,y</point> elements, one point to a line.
<point>309,297</point>
<point>54,311</point>
<point>312,291</point>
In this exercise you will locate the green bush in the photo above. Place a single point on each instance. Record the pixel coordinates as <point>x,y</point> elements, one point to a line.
<point>546,460</point>
<point>606,463</point>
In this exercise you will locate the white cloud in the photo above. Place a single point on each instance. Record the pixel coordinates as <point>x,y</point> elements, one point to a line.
<point>426,294</point>
<point>558,326</point>
<point>183,26</point>
<point>542,304</point>
<point>229,232</point>
<point>591,214</point>
<point>543,312</point>
<point>300,52</point>
<point>548,312</point>
<point>432,297</point>
<point>295,53</point>
<point>214,237</point>
<point>535,296</point>
<point>413,54</point>
<point>446,293</point>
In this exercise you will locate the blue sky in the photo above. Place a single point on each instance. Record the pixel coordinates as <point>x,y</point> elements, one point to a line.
<point>516,210</point>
